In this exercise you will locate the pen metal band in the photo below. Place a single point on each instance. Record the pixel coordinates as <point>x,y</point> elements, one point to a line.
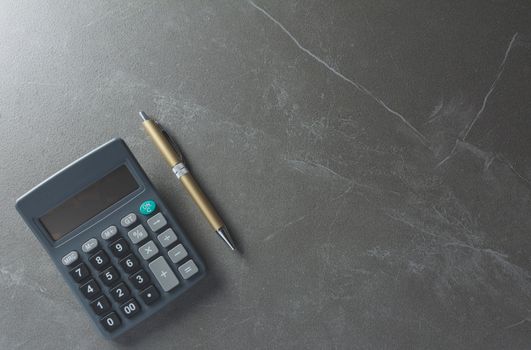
<point>180,170</point>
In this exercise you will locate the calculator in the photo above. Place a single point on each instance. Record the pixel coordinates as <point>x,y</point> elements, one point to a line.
<point>118,247</point>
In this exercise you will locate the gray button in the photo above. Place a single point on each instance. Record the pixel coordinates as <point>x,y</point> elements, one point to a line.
<point>148,250</point>
<point>188,269</point>
<point>177,254</point>
<point>89,245</point>
<point>70,258</point>
<point>128,220</point>
<point>156,222</point>
<point>167,237</point>
<point>137,234</point>
<point>109,232</point>
<point>163,273</point>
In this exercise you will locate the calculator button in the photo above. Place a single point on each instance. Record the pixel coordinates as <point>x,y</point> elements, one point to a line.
<point>140,279</point>
<point>188,269</point>
<point>101,305</point>
<point>130,308</point>
<point>148,250</point>
<point>110,322</point>
<point>70,258</point>
<point>120,293</point>
<point>137,234</point>
<point>109,232</point>
<point>128,220</point>
<point>109,276</point>
<point>150,295</point>
<point>80,272</point>
<point>120,248</point>
<point>99,260</point>
<point>167,237</point>
<point>89,245</point>
<point>90,289</point>
<point>147,207</point>
<point>157,222</point>
<point>130,264</point>
<point>177,253</point>
<point>163,273</point>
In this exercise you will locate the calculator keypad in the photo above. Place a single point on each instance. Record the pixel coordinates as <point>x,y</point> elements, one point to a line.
<point>157,222</point>
<point>164,274</point>
<point>148,250</point>
<point>177,253</point>
<point>70,258</point>
<point>99,260</point>
<point>128,220</point>
<point>120,293</point>
<point>130,264</point>
<point>150,295</point>
<point>101,305</point>
<point>80,272</point>
<point>109,276</point>
<point>130,308</point>
<point>90,289</point>
<point>120,248</point>
<point>140,280</point>
<point>111,322</point>
<point>89,245</point>
<point>137,234</point>
<point>167,238</point>
<point>109,232</point>
<point>188,269</point>
<point>131,268</point>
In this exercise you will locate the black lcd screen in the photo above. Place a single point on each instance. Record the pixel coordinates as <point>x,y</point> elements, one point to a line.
<point>89,202</point>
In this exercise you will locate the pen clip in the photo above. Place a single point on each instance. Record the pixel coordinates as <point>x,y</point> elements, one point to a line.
<point>171,141</point>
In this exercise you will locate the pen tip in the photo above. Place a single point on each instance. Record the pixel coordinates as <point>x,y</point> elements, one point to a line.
<point>143,115</point>
<point>225,236</point>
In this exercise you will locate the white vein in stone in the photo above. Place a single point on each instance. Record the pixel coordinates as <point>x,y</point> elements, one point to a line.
<point>484,104</point>
<point>492,87</point>
<point>357,85</point>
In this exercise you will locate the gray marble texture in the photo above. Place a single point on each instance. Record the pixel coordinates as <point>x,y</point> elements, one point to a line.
<point>371,157</point>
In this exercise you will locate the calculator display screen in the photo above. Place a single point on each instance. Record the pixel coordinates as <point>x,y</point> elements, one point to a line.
<point>89,202</point>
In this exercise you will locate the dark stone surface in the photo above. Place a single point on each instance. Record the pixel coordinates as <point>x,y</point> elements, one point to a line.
<point>372,159</point>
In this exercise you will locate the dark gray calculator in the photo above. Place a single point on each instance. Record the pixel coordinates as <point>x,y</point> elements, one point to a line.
<point>112,238</point>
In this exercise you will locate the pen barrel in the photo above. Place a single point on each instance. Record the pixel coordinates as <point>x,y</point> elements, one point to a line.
<point>171,156</point>
<point>202,201</point>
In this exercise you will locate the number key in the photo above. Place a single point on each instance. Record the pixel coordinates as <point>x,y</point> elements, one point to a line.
<point>130,308</point>
<point>111,322</point>
<point>140,279</point>
<point>99,260</point>
<point>109,276</point>
<point>80,272</point>
<point>130,264</point>
<point>90,289</point>
<point>119,248</point>
<point>120,293</point>
<point>101,305</point>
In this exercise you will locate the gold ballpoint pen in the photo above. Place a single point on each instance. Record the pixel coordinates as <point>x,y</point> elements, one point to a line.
<point>175,161</point>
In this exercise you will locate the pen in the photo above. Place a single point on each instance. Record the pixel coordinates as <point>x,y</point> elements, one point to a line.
<point>175,160</point>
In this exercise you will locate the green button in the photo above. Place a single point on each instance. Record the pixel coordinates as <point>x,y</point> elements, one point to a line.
<point>147,207</point>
